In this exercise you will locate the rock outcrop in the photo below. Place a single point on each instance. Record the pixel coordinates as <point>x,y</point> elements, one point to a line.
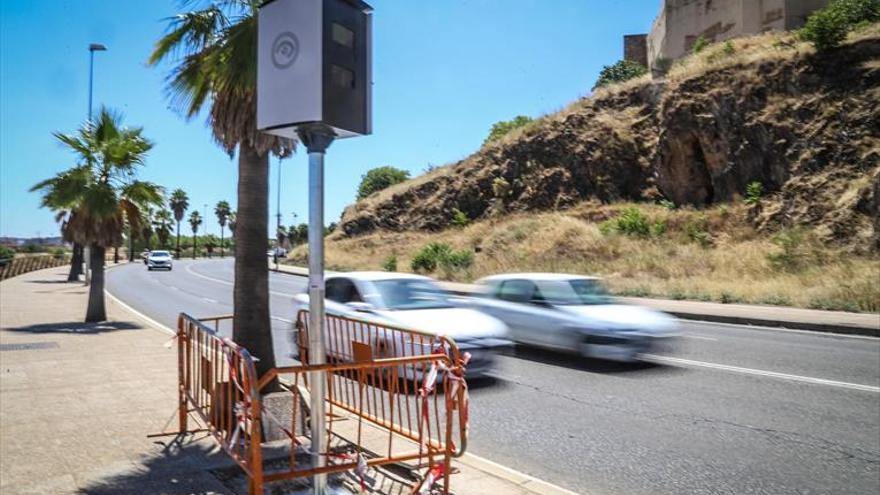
<point>806,126</point>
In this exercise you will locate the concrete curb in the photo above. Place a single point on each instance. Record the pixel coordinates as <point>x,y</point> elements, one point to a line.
<point>659,304</point>
<point>788,324</point>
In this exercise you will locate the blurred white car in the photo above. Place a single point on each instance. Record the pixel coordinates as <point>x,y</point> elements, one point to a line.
<point>159,260</point>
<point>412,302</point>
<point>574,313</point>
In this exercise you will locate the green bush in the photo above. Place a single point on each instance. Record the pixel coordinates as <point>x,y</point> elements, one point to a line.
<point>380,178</point>
<point>754,191</point>
<point>457,261</point>
<point>791,257</point>
<point>428,258</point>
<point>697,231</point>
<point>390,263</point>
<point>459,218</point>
<point>6,253</point>
<point>499,129</point>
<point>59,253</point>
<point>623,70</point>
<point>441,255</point>
<point>631,222</point>
<point>669,205</point>
<point>700,44</point>
<point>828,27</point>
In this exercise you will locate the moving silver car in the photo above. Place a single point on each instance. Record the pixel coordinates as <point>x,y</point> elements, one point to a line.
<point>573,313</point>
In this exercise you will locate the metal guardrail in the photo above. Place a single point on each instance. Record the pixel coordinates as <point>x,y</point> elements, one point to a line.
<point>383,377</point>
<point>21,265</point>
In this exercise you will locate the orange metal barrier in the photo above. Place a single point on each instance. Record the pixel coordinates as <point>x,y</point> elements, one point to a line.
<point>404,388</point>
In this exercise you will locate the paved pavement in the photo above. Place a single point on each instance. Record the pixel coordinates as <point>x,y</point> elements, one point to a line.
<point>78,401</point>
<point>736,409</point>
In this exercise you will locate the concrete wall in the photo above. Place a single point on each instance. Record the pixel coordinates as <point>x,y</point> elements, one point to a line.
<point>681,22</point>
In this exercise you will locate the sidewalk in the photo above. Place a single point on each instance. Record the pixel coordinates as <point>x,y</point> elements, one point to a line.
<point>742,314</point>
<point>78,401</point>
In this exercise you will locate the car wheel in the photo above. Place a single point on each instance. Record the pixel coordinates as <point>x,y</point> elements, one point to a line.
<point>149,268</point>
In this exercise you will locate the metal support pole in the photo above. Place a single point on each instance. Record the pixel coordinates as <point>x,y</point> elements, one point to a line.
<point>316,139</point>
<point>87,250</point>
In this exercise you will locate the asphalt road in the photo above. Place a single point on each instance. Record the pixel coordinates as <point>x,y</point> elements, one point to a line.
<point>735,410</point>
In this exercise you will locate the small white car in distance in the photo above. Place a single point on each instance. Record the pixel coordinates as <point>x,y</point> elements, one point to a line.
<point>159,260</point>
<point>574,313</point>
<point>413,302</point>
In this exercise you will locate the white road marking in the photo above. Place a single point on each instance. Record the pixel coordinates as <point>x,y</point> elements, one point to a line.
<point>749,371</point>
<point>698,337</point>
<point>226,282</point>
<point>153,323</point>
<point>283,320</point>
<point>212,301</point>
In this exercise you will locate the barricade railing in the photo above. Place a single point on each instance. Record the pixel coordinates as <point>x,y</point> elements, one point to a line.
<point>404,388</point>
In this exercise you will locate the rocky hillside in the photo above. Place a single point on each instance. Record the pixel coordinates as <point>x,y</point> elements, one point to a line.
<point>766,109</point>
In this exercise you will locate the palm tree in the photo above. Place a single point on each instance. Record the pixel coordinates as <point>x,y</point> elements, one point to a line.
<point>215,51</point>
<point>222,211</point>
<point>162,222</point>
<point>101,192</point>
<point>146,223</point>
<point>194,221</point>
<point>178,203</point>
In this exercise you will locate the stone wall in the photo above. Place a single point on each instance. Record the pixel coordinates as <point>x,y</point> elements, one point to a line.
<point>635,48</point>
<point>681,22</point>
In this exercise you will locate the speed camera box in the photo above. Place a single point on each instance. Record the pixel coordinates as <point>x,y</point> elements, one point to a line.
<point>314,66</point>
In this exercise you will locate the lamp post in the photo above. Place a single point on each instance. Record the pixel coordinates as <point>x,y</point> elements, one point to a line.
<point>93,47</point>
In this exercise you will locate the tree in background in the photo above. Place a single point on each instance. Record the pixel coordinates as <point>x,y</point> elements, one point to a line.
<point>210,242</point>
<point>162,223</point>
<point>623,70</point>
<point>179,203</point>
<point>102,191</point>
<point>828,27</point>
<point>500,129</point>
<point>194,221</point>
<point>146,233</point>
<point>232,220</point>
<point>380,178</point>
<point>222,211</point>
<point>214,49</point>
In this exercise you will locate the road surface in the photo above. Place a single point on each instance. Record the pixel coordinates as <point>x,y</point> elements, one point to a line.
<point>734,410</point>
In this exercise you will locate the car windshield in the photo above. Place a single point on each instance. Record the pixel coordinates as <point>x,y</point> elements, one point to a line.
<point>159,254</point>
<point>574,292</point>
<point>405,294</point>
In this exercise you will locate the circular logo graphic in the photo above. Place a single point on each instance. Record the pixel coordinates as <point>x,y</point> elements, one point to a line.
<point>285,49</point>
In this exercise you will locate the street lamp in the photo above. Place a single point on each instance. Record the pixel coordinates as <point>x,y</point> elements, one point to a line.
<point>93,47</point>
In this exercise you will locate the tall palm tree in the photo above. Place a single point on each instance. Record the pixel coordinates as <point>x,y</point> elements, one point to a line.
<point>216,64</point>
<point>146,223</point>
<point>222,211</point>
<point>179,202</point>
<point>194,221</point>
<point>102,192</point>
<point>162,222</point>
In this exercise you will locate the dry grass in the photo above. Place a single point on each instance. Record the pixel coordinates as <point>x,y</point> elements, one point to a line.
<point>731,264</point>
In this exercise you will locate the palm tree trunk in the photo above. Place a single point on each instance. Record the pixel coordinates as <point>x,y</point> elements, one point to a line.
<point>221,241</point>
<point>76,262</point>
<point>194,246</point>
<point>250,325</point>
<point>178,239</point>
<point>116,255</point>
<point>130,247</point>
<point>96,311</point>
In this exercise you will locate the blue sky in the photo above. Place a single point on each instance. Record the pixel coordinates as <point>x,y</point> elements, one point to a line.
<point>444,72</point>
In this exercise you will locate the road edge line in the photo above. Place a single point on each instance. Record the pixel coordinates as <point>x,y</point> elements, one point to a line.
<point>146,319</point>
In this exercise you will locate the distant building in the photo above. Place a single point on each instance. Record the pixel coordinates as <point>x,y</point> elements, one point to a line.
<point>681,22</point>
